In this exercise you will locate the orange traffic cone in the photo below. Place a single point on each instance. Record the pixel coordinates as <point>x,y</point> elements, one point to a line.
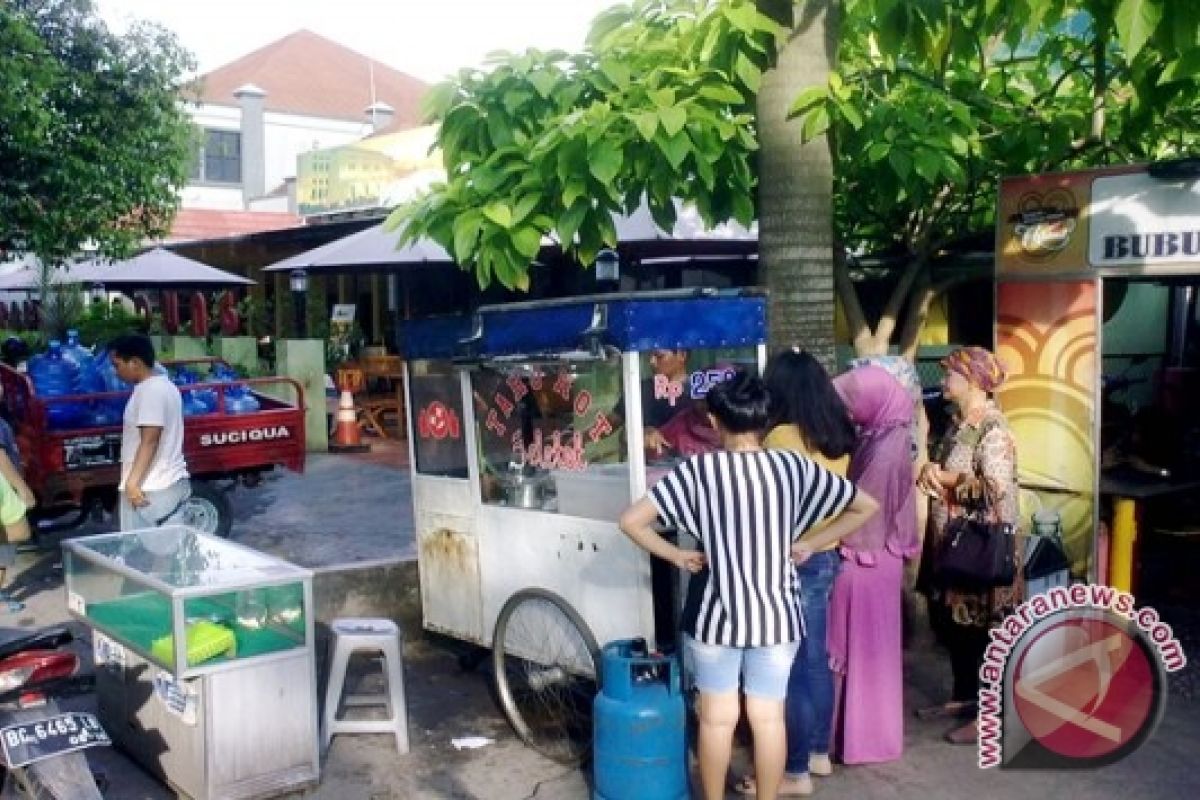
<point>346,436</point>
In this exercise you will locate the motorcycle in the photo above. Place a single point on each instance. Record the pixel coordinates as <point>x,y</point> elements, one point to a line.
<point>41,747</point>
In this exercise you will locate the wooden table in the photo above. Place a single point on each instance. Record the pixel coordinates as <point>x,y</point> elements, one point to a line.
<point>376,406</point>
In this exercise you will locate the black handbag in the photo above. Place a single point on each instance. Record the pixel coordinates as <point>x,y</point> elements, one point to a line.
<point>976,555</point>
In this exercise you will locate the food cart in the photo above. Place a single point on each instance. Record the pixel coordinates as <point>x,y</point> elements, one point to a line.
<point>528,436</point>
<point>1098,323</point>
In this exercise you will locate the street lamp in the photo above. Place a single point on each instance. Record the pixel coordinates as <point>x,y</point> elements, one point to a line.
<point>608,270</point>
<point>97,294</point>
<point>298,280</point>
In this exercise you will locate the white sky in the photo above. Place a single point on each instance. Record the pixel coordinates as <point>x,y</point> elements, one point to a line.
<point>426,38</point>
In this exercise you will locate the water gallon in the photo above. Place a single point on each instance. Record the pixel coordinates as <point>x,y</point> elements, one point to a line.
<point>75,352</point>
<point>106,413</point>
<point>639,726</point>
<point>193,405</point>
<point>54,376</point>
<point>239,400</point>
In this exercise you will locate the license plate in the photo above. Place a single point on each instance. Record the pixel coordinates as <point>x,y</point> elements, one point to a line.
<point>44,738</point>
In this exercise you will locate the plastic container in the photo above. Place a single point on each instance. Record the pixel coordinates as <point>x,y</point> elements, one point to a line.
<point>639,726</point>
<point>75,352</point>
<point>53,377</point>
<point>239,400</point>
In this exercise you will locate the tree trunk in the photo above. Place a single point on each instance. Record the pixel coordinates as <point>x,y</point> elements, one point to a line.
<point>795,211</point>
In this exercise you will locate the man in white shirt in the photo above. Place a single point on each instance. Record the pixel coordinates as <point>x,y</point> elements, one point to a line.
<point>154,477</point>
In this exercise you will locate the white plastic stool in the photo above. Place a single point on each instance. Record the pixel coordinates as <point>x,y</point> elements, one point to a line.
<point>366,635</point>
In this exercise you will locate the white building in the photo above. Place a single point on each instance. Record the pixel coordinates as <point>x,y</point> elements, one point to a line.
<point>299,94</point>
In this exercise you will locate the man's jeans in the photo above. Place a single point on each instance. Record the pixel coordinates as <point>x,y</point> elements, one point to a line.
<point>164,506</point>
<point>809,711</point>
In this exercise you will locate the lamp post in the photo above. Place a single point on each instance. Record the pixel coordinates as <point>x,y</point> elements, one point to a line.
<point>298,280</point>
<point>97,294</point>
<point>608,270</point>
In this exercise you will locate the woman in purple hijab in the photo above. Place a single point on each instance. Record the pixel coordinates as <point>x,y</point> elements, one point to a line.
<point>864,636</point>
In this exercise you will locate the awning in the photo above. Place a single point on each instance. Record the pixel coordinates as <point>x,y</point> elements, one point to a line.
<point>638,236</point>
<point>156,268</point>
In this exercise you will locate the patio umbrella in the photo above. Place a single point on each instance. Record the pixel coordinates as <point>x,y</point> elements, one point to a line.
<point>153,269</point>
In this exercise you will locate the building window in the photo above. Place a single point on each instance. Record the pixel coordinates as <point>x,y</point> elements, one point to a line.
<point>219,157</point>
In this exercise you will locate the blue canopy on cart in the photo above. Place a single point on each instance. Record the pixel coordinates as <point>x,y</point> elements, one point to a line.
<point>684,319</point>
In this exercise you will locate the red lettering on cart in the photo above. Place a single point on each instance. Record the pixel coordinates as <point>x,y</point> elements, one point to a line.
<point>555,454</point>
<point>241,437</point>
<point>438,421</point>
<point>504,404</point>
<point>494,424</point>
<point>583,401</point>
<point>517,387</point>
<point>562,385</point>
<point>600,428</point>
<point>667,389</point>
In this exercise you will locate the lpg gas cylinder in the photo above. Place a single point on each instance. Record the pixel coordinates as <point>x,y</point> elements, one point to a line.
<point>639,726</point>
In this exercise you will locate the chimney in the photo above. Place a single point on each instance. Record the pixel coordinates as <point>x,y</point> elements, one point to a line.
<point>254,158</point>
<point>379,114</point>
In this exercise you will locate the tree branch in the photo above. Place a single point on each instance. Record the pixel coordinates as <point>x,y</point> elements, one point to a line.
<point>860,332</point>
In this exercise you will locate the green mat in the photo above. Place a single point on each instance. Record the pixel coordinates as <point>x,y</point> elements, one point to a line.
<point>142,618</point>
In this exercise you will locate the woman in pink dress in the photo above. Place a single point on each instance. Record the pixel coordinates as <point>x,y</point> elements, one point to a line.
<point>864,637</point>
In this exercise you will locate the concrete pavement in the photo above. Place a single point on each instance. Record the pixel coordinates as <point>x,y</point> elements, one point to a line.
<point>357,510</point>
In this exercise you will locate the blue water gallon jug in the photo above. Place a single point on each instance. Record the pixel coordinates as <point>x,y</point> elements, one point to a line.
<point>639,726</point>
<point>105,413</point>
<point>74,351</point>
<point>193,405</point>
<point>238,400</point>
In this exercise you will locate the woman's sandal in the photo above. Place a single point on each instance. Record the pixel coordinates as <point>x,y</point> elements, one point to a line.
<point>967,734</point>
<point>790,787</point>
<point>961,709</point>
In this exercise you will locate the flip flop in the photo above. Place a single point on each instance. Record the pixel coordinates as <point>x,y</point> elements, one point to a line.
<point>747,787</point>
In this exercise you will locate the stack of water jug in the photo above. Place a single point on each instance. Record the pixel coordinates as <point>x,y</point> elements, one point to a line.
<point>72,370</point>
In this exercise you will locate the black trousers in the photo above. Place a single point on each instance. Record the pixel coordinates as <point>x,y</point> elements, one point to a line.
<point>966,644</point>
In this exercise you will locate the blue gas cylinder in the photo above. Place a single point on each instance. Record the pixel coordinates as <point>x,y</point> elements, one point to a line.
<point>639,726</point>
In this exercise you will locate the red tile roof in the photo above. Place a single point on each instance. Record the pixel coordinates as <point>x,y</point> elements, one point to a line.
<point>305,73</point>
<point>192,224</point>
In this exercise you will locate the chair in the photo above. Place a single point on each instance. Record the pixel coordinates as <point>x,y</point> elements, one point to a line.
<point>359,635</point>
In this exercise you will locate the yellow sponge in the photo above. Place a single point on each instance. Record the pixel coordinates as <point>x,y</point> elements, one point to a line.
<point>205,641</point>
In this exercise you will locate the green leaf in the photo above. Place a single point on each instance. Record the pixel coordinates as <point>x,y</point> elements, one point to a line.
<point>901,162</point>
<point>675,148</point>
<point>438,100</point>
<point>878,151</point>
<point>568,224</point>
<point>500,213</point>
<point>524,207</point>
<point>1135,21</point>
<point>466,233</point>
<point>927,164</point>
<point>617,72</point>
<point>809,96</point>
<point>816,122</point>
<point>748,73</point>
<point>1184,68</point>
<point>604,160</point>
<point>662,97</point>
<point>647,124</point>
<point>722,93</point>
<point>673,118</point>
<point>743,17</point>
<point>573,190</point>
<point>851,115</point>
<point>527,240</point>
<point>543,82</point>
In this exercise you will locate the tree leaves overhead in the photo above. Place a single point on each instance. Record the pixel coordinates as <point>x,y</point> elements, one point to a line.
<point>657,107</point>
<point>93,142</point>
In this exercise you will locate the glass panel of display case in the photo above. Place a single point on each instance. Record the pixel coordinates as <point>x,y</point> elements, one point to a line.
<point>435,397</point>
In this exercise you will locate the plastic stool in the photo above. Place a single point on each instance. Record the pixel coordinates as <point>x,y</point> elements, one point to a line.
<point>366,635</point>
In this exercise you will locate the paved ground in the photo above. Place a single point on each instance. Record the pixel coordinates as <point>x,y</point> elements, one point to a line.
<point>356,509</point>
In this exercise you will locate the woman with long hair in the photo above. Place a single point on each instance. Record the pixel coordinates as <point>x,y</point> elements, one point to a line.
<point>865,617</point>
<point>808,417</point>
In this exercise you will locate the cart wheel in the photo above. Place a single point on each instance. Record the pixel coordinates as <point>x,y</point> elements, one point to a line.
<point>207,510</point>
<point>546,664</point>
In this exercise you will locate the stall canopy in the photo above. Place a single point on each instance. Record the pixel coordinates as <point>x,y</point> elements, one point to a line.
<point>156,268</point>
<point>639,237</point>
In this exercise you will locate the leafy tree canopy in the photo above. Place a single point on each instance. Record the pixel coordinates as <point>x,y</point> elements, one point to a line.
<point>932,101</point>
<point>93,142</point>
<point>659,105</point>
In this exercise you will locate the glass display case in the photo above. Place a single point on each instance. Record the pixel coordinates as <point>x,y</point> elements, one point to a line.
<point>185,601</point>
<point>205,671</point>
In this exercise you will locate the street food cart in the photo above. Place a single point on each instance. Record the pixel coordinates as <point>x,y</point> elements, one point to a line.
<point>528,436</point>
<point>1098,323</point>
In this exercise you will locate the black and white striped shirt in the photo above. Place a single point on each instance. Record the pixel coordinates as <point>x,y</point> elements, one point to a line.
<point>747,508</point>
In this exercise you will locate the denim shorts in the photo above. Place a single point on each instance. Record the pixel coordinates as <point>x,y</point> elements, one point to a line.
<point>763,670</point>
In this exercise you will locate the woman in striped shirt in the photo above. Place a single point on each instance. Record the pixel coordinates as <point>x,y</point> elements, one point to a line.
<point>747,506</point>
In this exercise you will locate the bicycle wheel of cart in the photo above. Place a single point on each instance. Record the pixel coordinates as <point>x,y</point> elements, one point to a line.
<point>547,669</point>
<point>207,510</point>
